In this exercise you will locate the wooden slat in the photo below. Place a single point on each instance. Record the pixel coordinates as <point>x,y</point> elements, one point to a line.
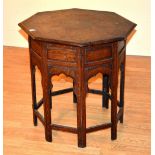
<point>40,117</point>
<point>63,128</point>
<point>99,92</point>
<point>63,91</point>
<point>59,92</point>
<point>119,114</point>
<point>98,127</point>
<point>39,103</point>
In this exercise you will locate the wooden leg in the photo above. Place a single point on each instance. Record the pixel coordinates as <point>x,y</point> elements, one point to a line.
<point>51,99</point>
<point>33,87</point>
<point>74,95</point>
<point>81,120</point>
<point>114,111</point>
<point>81,113</point>
<point>46,84</point>
<point>114,124</point>
<point>114,85</point>
<point>105,87</point>
<point>122,84</point>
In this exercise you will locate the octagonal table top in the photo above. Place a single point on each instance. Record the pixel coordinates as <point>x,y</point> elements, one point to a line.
<point>77,27</point>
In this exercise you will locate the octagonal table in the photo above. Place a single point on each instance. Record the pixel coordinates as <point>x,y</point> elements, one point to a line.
<point>79,43</point>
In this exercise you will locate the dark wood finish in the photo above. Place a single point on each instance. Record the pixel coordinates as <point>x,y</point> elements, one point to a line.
<point>119,114</point>
<point>38,115</point>
<point>84,44</point>
<point>114,84</point>
<point>59,53</point>
<point>63,91</point>
<point>98,127</point>
<point>47,86</point>
<point>105,88</point>
<point>122,85</point>
<point>80,91</point>
<point>100,92</point>
<point>97,26</point>
<point>96,55</point>
<point>64,128</point>
<point>74,95</point>
<point>36,47</point>
<point>33,87</point>
<point>121,45</point>
<point>39,104</point>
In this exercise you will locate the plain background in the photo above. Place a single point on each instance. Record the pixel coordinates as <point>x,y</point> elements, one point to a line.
<point>137,11</point>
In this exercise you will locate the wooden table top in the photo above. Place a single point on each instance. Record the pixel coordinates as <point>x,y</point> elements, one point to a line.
<point>77,27</point>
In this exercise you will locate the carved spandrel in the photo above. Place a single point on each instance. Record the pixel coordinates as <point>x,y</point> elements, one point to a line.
<point>92,71</point>
<point>57,70</point>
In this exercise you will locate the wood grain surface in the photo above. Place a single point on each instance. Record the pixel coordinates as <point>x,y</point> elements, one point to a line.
<point>78,27</point>
<point>22,138</point>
